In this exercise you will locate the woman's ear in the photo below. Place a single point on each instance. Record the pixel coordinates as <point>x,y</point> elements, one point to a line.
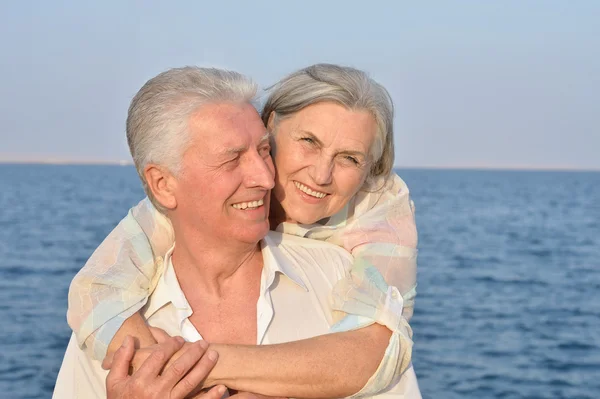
<point>162,184</point>
<point>271,122</point>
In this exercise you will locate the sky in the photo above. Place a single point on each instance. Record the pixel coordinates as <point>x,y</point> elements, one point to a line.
<point>482,84</point>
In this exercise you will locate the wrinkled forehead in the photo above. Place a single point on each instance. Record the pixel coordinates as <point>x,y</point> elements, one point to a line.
<point>330,121</point>
<point>218,126</point>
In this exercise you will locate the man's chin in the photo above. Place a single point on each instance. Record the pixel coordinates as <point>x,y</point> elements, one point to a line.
<point>254,233</point>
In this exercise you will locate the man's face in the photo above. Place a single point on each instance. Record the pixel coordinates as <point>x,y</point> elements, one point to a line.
<point>223,188</point>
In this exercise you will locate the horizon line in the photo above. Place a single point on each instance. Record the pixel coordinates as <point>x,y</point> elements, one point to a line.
<point>426,167</point>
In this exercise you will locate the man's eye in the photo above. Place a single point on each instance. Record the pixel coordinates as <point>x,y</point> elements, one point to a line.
<point>265,151</point>
<point>308,140</point>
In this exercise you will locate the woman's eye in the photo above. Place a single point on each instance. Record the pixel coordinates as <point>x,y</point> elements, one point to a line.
<point>352,160</point>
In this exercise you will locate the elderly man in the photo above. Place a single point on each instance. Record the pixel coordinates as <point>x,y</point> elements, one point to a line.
<point>203,156</point>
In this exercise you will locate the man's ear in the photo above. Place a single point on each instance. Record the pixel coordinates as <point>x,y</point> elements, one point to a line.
<point>162,184</point>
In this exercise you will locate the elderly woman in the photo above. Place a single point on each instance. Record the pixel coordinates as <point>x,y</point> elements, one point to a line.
<point>333,150</point>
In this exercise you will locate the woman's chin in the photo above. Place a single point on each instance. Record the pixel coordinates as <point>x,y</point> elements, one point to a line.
<point>304,218</point>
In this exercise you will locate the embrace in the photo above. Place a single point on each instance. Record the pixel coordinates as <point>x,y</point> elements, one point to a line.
<point>275,253</point>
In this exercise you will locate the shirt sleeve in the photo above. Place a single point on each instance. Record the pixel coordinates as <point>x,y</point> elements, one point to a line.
<point>118,278</point>
<point>381,231</point>
<point>381,234</point>
<point>364,297</point>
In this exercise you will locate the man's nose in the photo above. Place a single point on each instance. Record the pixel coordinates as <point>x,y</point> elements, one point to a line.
<point>261,173</point>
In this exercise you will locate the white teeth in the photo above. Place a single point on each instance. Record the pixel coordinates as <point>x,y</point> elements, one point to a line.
<point>249,205</point>
<point>308,191</point>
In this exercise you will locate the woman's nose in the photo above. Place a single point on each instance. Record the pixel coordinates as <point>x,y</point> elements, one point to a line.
<point>322,171</point>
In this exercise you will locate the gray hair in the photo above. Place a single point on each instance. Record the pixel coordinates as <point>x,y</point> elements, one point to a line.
<point>157,121</point>
<point>349,87</point>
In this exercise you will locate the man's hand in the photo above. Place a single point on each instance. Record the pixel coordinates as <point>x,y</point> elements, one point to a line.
<point>152,382</point>
<point>140,355</point>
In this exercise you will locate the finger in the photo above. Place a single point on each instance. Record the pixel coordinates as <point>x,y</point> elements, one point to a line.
<point>107,361</point>
<point>215,392</point>
<point>159,356</point>
<point>120,365</point>
<point>159,334</point>
<point>199,371</point>
<point>176,371</point>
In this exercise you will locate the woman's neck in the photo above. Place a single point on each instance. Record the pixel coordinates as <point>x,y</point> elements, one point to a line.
<point>276,213</point>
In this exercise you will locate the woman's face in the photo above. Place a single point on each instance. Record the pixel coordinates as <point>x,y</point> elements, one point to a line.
<point>322,157</point>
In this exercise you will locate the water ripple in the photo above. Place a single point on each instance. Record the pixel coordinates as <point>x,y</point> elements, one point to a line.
<point>509,276</point>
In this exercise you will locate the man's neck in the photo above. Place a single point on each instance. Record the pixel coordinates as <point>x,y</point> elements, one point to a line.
<point>214,265</point>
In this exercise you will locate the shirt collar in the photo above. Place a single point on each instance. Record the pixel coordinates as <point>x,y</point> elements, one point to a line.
<point>167,289</point>
<point>274,261</point>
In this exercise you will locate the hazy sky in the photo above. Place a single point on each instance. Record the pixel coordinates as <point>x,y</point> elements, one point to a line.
<point>475,83</point>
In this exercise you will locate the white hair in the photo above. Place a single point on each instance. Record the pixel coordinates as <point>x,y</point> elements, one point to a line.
<point>158,117</point>
<point>349,87</point>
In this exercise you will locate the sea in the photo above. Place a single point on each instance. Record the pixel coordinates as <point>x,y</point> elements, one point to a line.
<point>508,302</point>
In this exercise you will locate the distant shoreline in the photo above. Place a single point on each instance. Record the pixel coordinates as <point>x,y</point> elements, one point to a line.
<point>68,162</point>
<point>399,167</point>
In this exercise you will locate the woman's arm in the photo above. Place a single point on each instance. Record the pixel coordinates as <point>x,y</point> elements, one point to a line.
<point>118,278</point>
<point>339,364</point>
<point>359,356</point>
<point>345,351</point>
<point>135,327</point>
<point>382,233</point>
<point>327,366</point>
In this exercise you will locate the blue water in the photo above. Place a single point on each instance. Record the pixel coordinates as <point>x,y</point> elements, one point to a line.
<point>509,276</point>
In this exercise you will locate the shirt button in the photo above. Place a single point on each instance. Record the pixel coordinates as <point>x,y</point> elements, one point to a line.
<point>395,294</point>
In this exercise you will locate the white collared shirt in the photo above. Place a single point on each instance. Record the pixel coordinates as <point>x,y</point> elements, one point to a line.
<point>297,278</point>
<point>288,287</point>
